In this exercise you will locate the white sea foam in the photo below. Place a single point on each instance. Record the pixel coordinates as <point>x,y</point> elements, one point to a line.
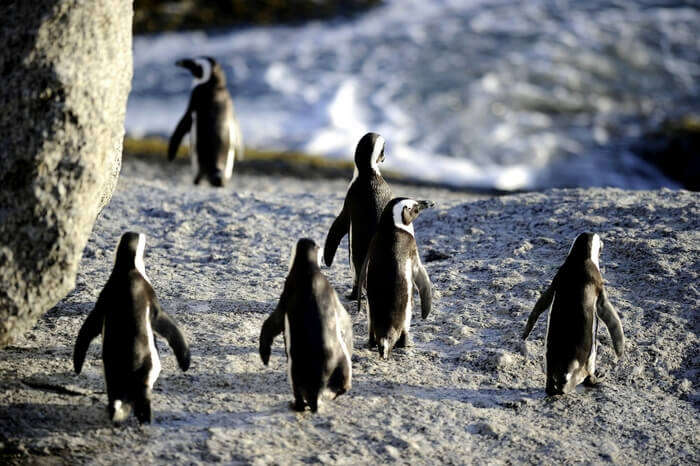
<point>506,95</point>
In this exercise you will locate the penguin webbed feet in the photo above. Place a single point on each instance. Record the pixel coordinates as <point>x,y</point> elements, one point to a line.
<point>404,341</point>
<point>594,380</point>
<point>297,405</point>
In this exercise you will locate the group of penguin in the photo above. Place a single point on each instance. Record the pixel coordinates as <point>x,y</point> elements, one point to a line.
<point>317,329</point>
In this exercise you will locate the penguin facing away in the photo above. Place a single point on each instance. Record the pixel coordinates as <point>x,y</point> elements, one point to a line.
<point>365,200</point>
<point>317,331</point>
<point>390,271</point>
<point>578,298</point>
<point>127,314</point>
<point>215,136</point>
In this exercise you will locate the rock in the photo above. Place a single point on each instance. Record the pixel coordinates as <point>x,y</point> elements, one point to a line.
<point>66,70</point>
<point>673,148</point>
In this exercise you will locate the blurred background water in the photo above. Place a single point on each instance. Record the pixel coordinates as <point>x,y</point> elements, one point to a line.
<point>500,94</point>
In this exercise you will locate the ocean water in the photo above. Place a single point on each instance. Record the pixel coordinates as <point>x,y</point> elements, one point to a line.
<point>483,93</point>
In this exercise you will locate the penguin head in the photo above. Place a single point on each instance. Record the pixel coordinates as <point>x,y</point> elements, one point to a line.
<point>306,255</point>
<point>586,246</point>
<point>129,253</point>
<point>402,211</point>
<point>369,152</point>
<point>204,70</point>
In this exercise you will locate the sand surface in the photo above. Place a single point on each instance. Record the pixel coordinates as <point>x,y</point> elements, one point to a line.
<point>465,393</point>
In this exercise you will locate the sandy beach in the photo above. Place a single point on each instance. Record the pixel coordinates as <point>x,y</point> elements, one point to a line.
<point>467,392</point>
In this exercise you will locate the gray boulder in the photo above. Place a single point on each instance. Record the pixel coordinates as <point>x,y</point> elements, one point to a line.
<point>65,67</point>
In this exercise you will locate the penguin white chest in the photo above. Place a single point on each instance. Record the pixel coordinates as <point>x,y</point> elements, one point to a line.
<point>155,361</point>
<point>193,144</point>
<point>341,340</point>
<point>230,156</point>
<point>590,364</point>
<point>546,335</point>
<point>408,277</point>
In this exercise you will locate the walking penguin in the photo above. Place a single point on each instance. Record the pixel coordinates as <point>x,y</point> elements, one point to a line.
<point>390,271</point>
<point>317,331</point>
<point>215,136</point>
<point>127,314</point>
<point>577,297</point>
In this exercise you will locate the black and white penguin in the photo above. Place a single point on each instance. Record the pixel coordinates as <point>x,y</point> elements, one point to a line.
<point>317,330</point>
<point>577,297</point>
<point>390,271</point>
<point>365,200</point>
<point>127,313</point>
<point>215,136</point>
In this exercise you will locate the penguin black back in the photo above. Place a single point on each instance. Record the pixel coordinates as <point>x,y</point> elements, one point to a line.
<point>317,330</point>
<point>127,313</point>
<point>215,137</point>
<point>578,298</point>
<point>365,200</point>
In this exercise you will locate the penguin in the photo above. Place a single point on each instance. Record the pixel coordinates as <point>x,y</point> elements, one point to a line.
<point>578,298</point>
<point>365,200</point>
<point>317,331</point>
<point>215,136</point>
<point>127,314</point>
<point>390,271</point>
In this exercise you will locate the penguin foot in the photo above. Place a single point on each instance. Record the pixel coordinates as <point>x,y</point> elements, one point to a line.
<point>339,392</point>
<point>594,380</point>
<point>405,341</point>
<point>313,405</point>
<point>297,405</point>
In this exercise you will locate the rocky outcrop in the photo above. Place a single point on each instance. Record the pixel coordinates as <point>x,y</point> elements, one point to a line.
<point>674,149</point>
<point>66,72</point>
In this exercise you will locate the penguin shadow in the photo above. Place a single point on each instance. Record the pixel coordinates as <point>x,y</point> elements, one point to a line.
<point>219,306</point>
<point>213,348</point>
<point>32,353</point>
<point>42,419</point>
<point>266,381</point>
<point>227,419</point>
<point>478,398</point>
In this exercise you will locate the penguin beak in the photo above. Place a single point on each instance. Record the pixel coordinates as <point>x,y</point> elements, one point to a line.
<point>187,64</point>
<point>380,159</point>
<point>422,205</point>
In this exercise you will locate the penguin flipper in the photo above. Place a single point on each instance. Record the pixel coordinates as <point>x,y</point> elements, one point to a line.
<point>339,228</point>
<point>90,329</point>
<point>183,127</point>
<point>609,316</point>
<point>422,281</point>
<point>165,326</point>
<point>540,306</point>
<point>273,326</point>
